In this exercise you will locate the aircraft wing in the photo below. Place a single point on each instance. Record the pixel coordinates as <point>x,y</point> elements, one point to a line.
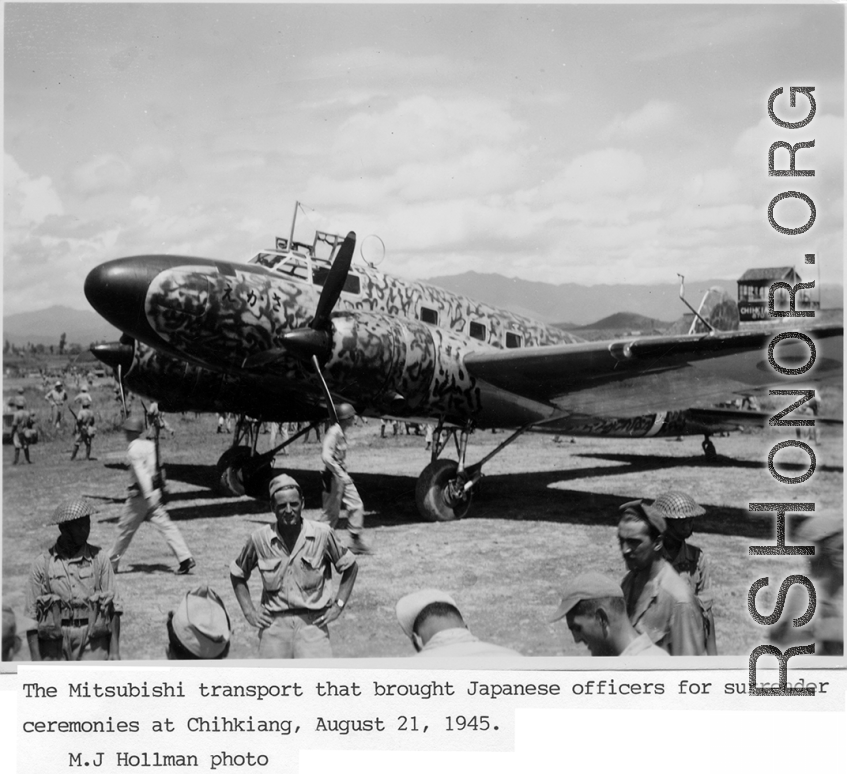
<point>632,376</point>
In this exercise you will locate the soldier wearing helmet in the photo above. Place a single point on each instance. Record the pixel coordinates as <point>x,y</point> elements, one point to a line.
<point>679,511</point>
<point>339,491</point>
<point>70,596</point>
<point>144,502</point>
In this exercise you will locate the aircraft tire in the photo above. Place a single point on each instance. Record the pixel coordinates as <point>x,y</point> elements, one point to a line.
<point>230,469</point>
<point>430,492</point>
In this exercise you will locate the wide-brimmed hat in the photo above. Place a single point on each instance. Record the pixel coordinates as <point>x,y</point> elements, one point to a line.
<point>201,623</point>
<point>134,425</point>
<point>408,608</point>
<point>816,529</point>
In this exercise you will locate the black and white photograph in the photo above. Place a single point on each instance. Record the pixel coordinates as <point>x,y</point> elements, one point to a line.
<point>447,332</point>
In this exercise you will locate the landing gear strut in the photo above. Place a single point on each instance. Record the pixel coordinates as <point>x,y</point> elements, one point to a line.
<point>241,471</point>
<point>445,488</point>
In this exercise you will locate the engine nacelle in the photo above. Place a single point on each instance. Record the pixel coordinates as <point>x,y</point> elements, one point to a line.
<point>402,367</point>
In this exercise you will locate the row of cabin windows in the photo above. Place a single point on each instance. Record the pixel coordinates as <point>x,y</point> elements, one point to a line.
<point>476,330</point>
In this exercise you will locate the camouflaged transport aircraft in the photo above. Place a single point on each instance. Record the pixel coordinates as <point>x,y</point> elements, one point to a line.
<point>297,327</point>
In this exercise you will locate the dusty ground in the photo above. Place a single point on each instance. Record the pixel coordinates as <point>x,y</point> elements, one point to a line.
<point>545,510</point>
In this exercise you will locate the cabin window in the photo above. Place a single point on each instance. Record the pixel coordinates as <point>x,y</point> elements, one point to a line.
<point>513,340</point>
<point>352,284</point>
<point>477,331</point>
<point>429,316</point>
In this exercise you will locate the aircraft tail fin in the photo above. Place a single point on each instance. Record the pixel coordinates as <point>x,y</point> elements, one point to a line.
<point>720,309</point>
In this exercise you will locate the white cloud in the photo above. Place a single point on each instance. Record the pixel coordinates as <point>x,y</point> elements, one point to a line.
<point>654,118</point>
<point>102,174</point>
<point>28,201</point>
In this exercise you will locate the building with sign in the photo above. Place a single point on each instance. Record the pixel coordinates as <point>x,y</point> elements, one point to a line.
<point>754,286</point>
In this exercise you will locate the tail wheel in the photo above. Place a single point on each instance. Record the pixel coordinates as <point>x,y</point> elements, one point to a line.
<point>439,494</point>
<point>230,470</point>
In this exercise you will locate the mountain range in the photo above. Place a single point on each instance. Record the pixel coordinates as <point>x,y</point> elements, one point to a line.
<point>568,305</point>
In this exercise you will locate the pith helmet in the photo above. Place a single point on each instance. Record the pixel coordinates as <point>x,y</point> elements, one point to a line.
<point>344,411</point>
<point>675,505</point>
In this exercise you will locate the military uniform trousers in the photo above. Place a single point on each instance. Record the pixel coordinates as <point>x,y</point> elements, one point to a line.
<point>67,649</point>
<point>136,512</point>
<point>294,635</point>
<point>343,495</point>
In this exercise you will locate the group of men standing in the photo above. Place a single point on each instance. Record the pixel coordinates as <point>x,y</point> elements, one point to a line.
<point>663,605</point>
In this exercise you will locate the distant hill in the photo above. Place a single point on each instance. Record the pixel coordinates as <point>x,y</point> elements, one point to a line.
<point>45,326</point>
<point>586,305</point>
<point>627,321</point>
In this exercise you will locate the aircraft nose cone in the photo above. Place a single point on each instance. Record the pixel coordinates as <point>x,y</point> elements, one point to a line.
<point>117,291</point>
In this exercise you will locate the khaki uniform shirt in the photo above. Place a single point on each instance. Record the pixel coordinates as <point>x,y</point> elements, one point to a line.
<point>667,611</point>
<point>460,642</point>
<point>643,646</point>
<point>692,565</point>
<point>334,451</point>
<point>300,580</point>
<point>74,579</point>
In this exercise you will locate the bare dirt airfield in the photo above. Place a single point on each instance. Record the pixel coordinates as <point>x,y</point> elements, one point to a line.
<point>546,510</point>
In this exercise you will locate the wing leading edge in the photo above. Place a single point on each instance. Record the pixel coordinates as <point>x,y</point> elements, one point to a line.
<point>625,377</point>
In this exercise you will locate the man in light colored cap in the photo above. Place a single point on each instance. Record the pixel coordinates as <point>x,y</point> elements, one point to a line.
<point>826,568</point>
<point>71,596</point>
<point>679,510</point>
<point>658,602</point>
<point>200,627</point>
<point>57,397</point>
<point>339,491</point>
<point>295,558</point>
<point>144,501</point>
<point>596,615</point>
<point>432,621</point>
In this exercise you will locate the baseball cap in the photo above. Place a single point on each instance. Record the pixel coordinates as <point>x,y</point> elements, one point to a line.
<point>71,510</point>
<point>588,585</point>
<point>408,608</point>
<point>652,516</point>
<point>283,481</point>
<point>674,505</point>
<point>201,623</point>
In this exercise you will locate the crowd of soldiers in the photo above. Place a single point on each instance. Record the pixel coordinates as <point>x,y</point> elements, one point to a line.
<point>663,606</point>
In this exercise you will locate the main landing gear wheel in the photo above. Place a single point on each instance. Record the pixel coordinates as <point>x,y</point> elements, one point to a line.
<point>230,470</point>
<point>439,494</point>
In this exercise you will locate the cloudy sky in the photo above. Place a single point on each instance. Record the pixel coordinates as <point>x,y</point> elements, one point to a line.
<point>588,144</point>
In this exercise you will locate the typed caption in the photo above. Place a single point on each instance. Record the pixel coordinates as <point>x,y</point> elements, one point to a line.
<point>241,719</point>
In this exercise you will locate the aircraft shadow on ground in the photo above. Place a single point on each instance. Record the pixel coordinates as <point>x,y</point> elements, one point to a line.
<point>535,496</point>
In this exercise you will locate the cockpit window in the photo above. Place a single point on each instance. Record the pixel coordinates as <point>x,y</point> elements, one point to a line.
<point>288,265</point>
<point>351,285</point>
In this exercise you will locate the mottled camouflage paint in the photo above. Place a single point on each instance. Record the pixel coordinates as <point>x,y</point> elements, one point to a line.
<point>381,356</point>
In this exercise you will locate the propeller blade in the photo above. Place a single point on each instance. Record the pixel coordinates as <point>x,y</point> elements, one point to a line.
<point>121,388</point>
<point>334,282</point>
<point>329,403</point>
